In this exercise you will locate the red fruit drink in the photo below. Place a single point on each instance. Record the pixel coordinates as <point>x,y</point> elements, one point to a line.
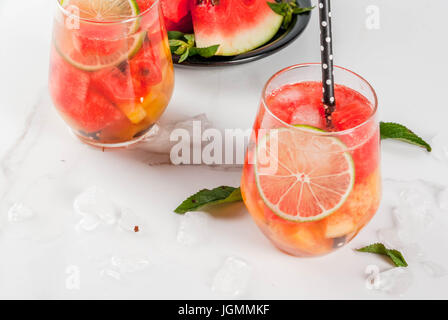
<point>320,185</point>
<point>111,73</point>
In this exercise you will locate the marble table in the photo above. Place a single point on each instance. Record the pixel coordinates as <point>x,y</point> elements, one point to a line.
<point>399,46</point>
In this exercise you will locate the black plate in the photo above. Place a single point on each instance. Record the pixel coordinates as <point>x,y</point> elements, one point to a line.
<point>281,40</point>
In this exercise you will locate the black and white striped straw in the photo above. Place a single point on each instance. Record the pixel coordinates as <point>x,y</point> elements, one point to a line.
<point>326,48</point>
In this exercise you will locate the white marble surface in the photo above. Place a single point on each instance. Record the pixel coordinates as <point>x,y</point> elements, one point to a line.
<point>45,168</point>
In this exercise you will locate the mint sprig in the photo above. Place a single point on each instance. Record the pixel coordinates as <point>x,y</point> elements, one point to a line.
<point>206,197</point>
<point>391,130</point>
<point>288,9</point>
<point>184,46</point>
<point>378,248</point>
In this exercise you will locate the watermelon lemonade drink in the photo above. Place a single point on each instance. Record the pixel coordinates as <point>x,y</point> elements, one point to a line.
<point>310,186</point>
<point>111,73</point>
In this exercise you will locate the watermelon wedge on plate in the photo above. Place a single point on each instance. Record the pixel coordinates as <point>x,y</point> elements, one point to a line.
<point>238,26</point>
<point>177,15</point>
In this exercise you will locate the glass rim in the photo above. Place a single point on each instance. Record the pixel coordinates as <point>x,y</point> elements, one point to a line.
<point>124,20</point>
<point>320,133</point>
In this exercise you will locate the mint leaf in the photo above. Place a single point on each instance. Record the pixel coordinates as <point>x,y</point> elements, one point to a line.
<point>185,55</point>
<point>190,39</point>
<point>278,8</point>
<point>175,35</point>
<point>208,197</point>
<point>176,43</point>
<point>183,45</point>
<point>206,52</point>
<point>379,248</point>
<point>391,130</point>
<point>287,9</point>
<point>302,10</point>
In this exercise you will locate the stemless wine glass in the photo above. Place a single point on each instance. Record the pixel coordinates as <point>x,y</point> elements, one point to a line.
<point>111,73</point>
<point>311,187</point>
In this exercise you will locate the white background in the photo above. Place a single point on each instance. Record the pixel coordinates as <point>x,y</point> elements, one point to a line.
<point>405,60</point>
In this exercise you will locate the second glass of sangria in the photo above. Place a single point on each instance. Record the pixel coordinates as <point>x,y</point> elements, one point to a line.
<point>311,187</point>
<point>111,73</point>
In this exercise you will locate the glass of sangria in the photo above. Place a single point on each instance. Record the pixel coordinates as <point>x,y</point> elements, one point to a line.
<point>111,73</point>
<point>311,186</point>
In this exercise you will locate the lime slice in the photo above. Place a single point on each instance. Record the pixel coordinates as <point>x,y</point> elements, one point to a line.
<point>104,10</point>
<point>72,46</point>
<point>71,54</point>
<point>307,177</point>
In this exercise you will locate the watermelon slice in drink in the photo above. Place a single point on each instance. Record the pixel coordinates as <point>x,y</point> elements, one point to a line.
<point>117,86</point>
<point>145,70</point>
<point>237,26</point>
<point>68,85</point>
<point>85,108</point>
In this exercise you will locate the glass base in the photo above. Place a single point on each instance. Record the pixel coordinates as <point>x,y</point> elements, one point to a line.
<point>120,145</point>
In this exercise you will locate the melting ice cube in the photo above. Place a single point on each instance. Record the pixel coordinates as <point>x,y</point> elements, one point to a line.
<point>415,207</point>
<point>193,228</point>
<point>93,204</point>
<point>111,273</point>
<point>130,221</point>
<point>19,213</point>
<point>88,223</point>
<point>308,115</point>
<point>434,270</point>
<point>440,146</point>
<point>395,281</point>
<point>443,199</point>
<point>119,266</point>
<point>233,278</point>
<point>160,139</point>
<point>130,264</point>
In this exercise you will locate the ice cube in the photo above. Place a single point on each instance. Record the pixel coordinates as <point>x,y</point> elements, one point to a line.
<point>159,141</point>
<point>308,115</point>
<point>94,202</point>
<point>19,213</point>
<point>439,146</point>
<point>414,208</point>
<point>88,223</point>
<point>110,273</point>
<point>130,264</point>
<point>233,278</point>
<point>193,228</point>
<point>288,95</point>
<point>389,237</point>
<point>443,199</point>
<point>129,221</point>
<point>412,252</point>
<point>395,281</point>
<point>434,270</point>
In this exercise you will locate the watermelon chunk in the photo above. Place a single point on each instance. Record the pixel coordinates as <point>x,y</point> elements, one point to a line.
<point>237,26</point>
<point>97,113</point>
<point>177,15</point>
<point>114,83</point>
<point>145,70</point>
<point>118,86</point>
<point>70,89</point>
<point>129,83</point>
<point>99,40</point>
<point>68,85</point>
<point>144,5</point>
